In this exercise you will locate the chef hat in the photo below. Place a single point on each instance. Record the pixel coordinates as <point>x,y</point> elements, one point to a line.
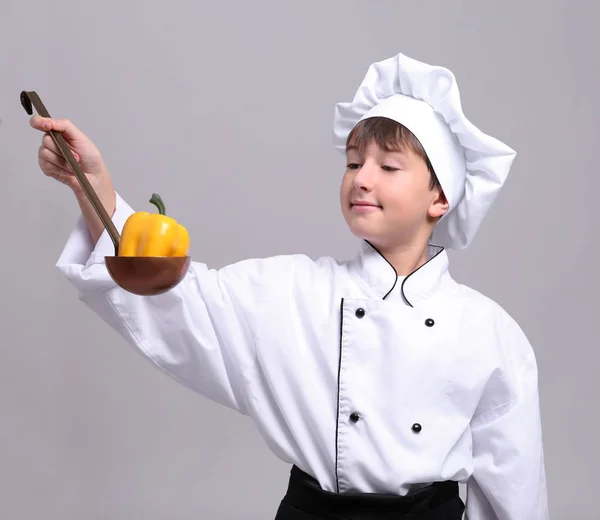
<point>470,165</point>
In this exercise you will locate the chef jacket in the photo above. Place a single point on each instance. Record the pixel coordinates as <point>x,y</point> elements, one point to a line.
<point>366,381</point>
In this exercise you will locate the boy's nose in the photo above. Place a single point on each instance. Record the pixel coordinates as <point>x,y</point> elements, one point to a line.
<point>364,177</point>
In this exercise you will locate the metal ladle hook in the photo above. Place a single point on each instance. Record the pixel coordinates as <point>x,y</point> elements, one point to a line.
<point>30,99</point>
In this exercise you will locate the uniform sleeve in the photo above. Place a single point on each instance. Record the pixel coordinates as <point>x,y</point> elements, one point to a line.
<point>202,333</point>
<point>509,479</point>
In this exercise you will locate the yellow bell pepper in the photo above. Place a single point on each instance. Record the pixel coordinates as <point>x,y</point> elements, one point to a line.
<point>153,234</point>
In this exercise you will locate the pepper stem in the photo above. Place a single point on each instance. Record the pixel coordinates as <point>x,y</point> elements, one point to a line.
<point>158,202</point>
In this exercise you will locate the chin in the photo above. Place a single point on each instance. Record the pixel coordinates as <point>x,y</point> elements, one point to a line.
<point>363,226</point>
<point>362,232</point>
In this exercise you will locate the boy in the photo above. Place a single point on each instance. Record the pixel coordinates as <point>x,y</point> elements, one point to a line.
<point>380,379</point>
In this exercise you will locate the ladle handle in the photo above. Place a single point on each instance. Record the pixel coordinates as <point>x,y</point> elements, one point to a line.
<point>29,98</point>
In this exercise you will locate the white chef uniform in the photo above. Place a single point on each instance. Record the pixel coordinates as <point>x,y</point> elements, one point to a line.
<point>365,381</point>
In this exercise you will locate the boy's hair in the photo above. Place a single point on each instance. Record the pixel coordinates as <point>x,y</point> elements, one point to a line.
<point>390,136</point>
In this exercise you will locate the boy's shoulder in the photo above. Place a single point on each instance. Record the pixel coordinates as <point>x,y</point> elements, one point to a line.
<point>479,303</point>
<point>477,299</point>
<point>488,315</point>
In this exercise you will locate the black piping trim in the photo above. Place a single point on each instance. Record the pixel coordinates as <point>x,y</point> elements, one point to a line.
<point>408,276</point>
<point>395,272</point>
<point>337,422</point>
<point>404,281</point>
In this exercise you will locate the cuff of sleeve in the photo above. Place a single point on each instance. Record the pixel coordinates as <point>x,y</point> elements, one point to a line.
<point>79,249</point>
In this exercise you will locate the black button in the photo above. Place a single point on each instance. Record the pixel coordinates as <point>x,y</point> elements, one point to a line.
<point>416,428</point>
<point>354,417</point>
<point>360,313</point>
<point>429,322</point>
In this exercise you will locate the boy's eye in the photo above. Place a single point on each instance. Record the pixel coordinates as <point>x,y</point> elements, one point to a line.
<point>355,166</point>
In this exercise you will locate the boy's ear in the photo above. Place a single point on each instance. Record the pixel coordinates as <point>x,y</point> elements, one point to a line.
<point>439,205</point>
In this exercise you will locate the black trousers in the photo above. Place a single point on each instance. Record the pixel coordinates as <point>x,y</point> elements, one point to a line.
<point>305,500</point>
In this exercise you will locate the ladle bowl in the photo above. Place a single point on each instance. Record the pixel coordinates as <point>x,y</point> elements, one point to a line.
<point>141,275</point>
<point>147,275</point>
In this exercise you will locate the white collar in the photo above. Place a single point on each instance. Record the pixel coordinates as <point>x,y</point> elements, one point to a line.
<point>381,276</point>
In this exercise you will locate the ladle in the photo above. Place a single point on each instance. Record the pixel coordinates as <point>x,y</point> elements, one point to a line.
<point>142,275</point>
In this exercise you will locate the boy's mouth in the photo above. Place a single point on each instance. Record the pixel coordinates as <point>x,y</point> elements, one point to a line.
<point>363,203</point>
<point>363,206</point>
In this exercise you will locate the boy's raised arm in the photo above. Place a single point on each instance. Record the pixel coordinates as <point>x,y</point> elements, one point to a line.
<point>201,332</point>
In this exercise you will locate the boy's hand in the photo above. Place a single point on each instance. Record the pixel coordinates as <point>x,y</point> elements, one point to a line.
<point>90,160</point>
<point>85,152</point>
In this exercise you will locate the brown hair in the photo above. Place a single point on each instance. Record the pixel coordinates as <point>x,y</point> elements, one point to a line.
<point>390,136</point>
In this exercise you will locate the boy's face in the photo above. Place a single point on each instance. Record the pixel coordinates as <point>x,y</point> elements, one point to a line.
<point>401,209</point>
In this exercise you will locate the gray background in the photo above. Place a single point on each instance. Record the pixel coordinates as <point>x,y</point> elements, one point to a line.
<point>225,109</point>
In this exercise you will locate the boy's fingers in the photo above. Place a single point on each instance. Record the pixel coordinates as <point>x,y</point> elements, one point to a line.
<point>40,123</point>
<point>69,130</point>
<point>49,143</point>
<point>55,157</point>
<point>66,127</point>
<point>50,157</point>
<point>50,168</point>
